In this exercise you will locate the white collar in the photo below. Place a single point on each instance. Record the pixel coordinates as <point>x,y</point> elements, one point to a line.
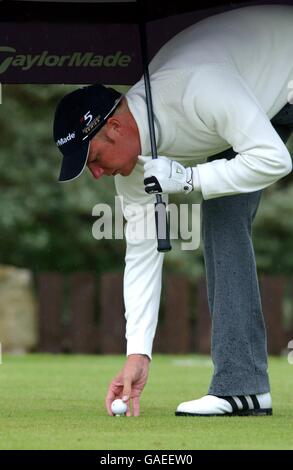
<point>138,108</point>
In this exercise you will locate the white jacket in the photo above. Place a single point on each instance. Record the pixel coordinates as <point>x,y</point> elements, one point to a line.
<point>215,85</point>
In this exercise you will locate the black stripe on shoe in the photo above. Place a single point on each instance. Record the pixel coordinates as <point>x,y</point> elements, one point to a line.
<point>255,402</point>
<point>231,401</point>
<point>245,405</point>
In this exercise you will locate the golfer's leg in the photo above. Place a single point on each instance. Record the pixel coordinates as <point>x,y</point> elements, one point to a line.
<point>239,350</point>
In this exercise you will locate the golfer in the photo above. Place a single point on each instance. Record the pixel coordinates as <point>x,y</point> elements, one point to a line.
<point>221,97</point>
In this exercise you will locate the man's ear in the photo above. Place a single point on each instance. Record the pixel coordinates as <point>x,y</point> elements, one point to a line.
<point>113,128</point>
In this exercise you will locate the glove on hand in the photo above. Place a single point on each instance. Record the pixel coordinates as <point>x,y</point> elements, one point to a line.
<point>162,175</point>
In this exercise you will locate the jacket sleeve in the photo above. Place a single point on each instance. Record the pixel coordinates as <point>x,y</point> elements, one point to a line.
<point>143,263</point>
<point>228,107</point>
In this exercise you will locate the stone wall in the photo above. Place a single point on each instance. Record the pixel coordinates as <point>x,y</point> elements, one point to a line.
<point>18,310</point>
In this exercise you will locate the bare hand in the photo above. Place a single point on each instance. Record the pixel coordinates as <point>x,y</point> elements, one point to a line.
<point>129,383</point>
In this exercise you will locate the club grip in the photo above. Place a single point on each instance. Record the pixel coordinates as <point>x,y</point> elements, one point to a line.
<point>162,227</point>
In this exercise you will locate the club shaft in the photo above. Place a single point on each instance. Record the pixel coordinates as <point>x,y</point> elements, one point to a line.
<point>162,226</point>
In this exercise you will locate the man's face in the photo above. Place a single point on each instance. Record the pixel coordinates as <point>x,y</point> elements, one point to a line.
<point>116,152</point>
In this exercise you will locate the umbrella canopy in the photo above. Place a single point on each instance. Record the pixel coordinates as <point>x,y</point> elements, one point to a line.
<point>86,42</point>
<point>108,10</point>
<point>93,41</point>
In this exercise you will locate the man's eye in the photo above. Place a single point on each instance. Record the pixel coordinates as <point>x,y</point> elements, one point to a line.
<point>93,160</point>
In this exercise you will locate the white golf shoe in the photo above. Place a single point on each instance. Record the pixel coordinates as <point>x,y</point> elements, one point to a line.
<point>240,405</point>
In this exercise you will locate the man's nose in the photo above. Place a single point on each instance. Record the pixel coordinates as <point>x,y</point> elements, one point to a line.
<point>96,171</point>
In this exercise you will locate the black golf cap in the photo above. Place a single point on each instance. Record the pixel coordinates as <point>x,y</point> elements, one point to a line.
<point>78,117</point>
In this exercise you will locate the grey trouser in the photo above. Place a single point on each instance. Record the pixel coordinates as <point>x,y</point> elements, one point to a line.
<point>239,350</point>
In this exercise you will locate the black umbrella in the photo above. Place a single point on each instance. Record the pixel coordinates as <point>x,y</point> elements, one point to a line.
<point>28,27</point>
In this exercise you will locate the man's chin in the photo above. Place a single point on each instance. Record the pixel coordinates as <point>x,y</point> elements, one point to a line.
<point>126,172</point>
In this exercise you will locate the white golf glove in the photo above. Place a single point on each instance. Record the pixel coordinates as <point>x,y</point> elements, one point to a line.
<point>162,175</point>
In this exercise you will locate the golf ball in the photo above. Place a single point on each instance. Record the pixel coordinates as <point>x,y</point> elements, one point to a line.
<point>118,407</point>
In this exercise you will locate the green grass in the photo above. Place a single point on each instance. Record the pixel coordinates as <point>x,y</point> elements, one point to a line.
<point>57,402</point>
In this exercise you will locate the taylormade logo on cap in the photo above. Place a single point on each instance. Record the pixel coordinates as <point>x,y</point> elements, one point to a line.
<point>64,140</point>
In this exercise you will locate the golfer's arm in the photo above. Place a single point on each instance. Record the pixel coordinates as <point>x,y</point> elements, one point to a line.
<point>143,267</point>
<point>237,117</point>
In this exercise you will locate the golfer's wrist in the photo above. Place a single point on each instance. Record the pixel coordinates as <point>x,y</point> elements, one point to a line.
<point>142,356</point>
<point>138,356</point>
<point>195,179</point>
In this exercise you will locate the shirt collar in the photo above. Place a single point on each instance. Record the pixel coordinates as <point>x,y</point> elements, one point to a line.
<point>137,104</point>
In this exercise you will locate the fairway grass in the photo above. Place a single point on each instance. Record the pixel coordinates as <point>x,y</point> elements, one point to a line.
<point>57,402</point>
